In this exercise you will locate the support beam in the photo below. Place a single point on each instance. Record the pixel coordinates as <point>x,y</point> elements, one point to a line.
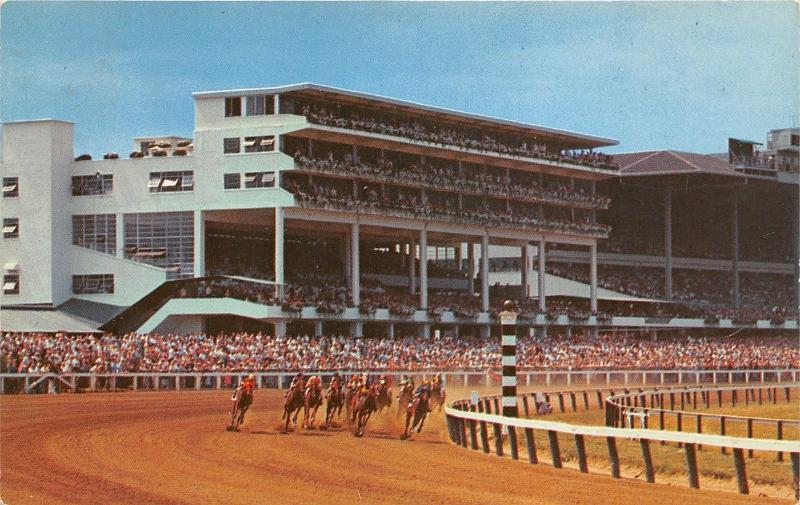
<point>593,277</point>
<point>279,231</point>
<point>485,271</point>
<point>412,266</point>
<point>526,270</point>
<point>199,244</point>
<point>668,243</point>
<point>423,268</point>
<point>458,258</point>
<point>471,266</point>
<point>542,294</point>
<point>355,273</point>
<point>735,246</point>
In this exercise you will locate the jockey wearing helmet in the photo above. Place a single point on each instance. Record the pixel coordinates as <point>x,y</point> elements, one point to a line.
<point>246,386</point>
<point>336,382</point>
<point>298,383</point>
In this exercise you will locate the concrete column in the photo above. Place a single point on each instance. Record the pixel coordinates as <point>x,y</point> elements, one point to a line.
<point>346,255</point>
<point>471,266</point>
<point>357,329</point>
<point>120,252</point>
<point>423,268</point>
<point>485,272</point>
<point>542,294</point>
<point>391,330</point>
<point>280,328</point>
<point>668,242</point>
<point>593,277</point>
<point>735,246</point>
<point>199,244</point>
<point>355,273</point>
<point>318,328</point>
<point>412,266</point>
<point>458,257</point>
<point>526,270</point>
<point>276,103</point>
<point>279,232</point>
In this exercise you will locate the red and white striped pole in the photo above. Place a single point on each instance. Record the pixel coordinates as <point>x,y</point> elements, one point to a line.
<point>508,331</point>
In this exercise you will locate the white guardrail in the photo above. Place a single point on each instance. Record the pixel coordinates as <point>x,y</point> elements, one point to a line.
<point>468,420</point>
<point>38,381</point>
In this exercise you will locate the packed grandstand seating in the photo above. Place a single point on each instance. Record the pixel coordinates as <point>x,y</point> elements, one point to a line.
<point>448,177</point>
<point>355,118</point>
<point>21,352</point>
<point>329,197</point>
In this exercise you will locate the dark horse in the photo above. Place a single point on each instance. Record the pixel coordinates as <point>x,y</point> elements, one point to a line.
<point>365,405</point>
<point>384,400</point>
<point>295,400</point>
<point>416,410</point>
<point>241,402</point>
<point>335,399</point>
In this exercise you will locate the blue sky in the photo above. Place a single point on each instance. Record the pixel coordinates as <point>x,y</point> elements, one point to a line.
<point>653,75</point>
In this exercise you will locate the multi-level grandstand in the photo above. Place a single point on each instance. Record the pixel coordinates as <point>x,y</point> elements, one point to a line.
<point>311,210</point>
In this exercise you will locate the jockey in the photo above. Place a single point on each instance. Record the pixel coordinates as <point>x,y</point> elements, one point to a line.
<point>314,383</point>
<point>406,382</point>
<point>436,383</point>
<point>246,386</point>
<point>422,389</point>
<point>385,381</point>
<point>298,382</point>
<point>336,382</point>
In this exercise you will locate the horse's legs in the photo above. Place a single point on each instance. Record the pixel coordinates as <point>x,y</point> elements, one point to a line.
<point>421,422</point>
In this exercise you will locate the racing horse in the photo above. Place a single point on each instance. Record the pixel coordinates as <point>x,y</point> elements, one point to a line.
<point>295,400</point>
<point>350,394</point>
<point>384,399</point>
<point>416,410</point>
<point>241,402</point>
<point>404,397</point>
<point>312,399</point>
<point>438,396</point>
<point>335,402</point>
<point>365,405</point>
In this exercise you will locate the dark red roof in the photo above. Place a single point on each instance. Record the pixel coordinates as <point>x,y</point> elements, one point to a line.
<point>671,163</point>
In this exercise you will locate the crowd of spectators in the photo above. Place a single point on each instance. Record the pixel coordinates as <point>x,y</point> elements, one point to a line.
<point>353,118</point>
<point>448,177</point>
<point>31,352</point>
<point>328,197</point>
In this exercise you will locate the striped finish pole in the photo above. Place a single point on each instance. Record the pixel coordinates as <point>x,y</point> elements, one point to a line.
<point>508,330</point>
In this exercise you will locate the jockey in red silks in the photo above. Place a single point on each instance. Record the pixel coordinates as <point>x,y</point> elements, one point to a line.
<point>298,383</point>
<point>336,383</point>
<point>247,386</point>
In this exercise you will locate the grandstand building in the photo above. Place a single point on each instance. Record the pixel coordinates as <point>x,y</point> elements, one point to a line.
<point>306,208</point>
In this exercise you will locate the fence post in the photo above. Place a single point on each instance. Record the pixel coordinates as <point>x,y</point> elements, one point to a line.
<point>699,424</point>
<point>531,442</point>
<point>741,475</point>
<point>484,437</point>
<point>525,405</point>
<point>795,457</point>
<point>691,465</point>
<point>722,432</point>
<point>512,441</point>
<point>649,470</point>
<point>561,402</point>
<point>498,439</point>
<point>599,399</point>
<point>779,436</point>
<point>750,434</point>
<point>572,401</point>
<point>473,435</point>
<point>586,400</point>
<point>786,392</point>
<point>219,382</point>
<point>462,432</point>
<point>199,378</point>
<point>580,446</point>
<point>555,452</point>
<point>613,456</point>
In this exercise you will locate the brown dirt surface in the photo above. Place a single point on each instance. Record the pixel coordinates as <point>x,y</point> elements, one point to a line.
<point>172,448</point>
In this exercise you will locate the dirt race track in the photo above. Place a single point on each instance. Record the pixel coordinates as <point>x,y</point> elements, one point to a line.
<point>171,448</point>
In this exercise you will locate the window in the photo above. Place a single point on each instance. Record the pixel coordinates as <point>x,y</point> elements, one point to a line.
<point>11,227</point>
<point>233,106</point>
<point>162,239</point>
<point>93,284</point>
<point>259,144</point>
<point>95,231</point>
<point>795,140</point>
<point>11,283</point>
<point>233,181</point>
<point>171,182</point>
<point>260,104</point>
<point>259,180</point>
<point>98,184</point>
<point>10,187</point>
<point>232,145</point>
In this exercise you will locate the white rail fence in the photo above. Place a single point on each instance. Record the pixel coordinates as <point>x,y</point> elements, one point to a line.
<point>44,382</point>
<point>468,423</point>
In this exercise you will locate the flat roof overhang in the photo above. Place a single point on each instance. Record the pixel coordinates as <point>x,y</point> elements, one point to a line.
<point>379,141</point>
<point>573,140</point>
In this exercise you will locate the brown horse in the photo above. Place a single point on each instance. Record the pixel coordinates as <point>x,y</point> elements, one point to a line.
<point>241,402</point>
<point>404,397</point>
<point>438,396</point>
<point>295,400</point>
<point>416,410</point>
<point>384,400</point>
<point>365,405</point>
<point>335,398</point>
<point>312,399</point>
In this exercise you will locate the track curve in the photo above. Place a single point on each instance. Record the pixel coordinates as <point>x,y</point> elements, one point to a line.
<point>171,448</point>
